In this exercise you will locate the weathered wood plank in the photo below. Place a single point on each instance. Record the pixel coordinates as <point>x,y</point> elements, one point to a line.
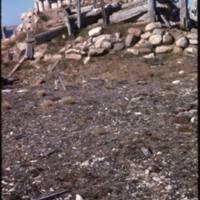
<point>151,10</point>
<point>127,14</point>
<point>79,13</point>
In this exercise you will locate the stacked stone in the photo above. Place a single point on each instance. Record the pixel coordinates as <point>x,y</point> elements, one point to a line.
<point>154,40</point>
<point>157,40</point>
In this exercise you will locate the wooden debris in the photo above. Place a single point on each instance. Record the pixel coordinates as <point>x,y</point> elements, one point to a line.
<point>52,67</point>
<point>127,14</point>
<point>61,82</point>
<point>17,67</point>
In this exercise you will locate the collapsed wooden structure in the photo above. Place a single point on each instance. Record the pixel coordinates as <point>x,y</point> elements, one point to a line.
<point>111,13</point>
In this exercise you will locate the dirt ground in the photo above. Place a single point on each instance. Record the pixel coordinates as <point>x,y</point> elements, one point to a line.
<point>125,128</point>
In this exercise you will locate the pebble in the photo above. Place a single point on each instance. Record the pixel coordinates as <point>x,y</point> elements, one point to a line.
<point>181,72</point>
<point>168,187</point>
<point>176,82</point>
<point>146,151</point>
<point>78,197</point>
<point>193,119</point>
<point>22,91</point>
<point>86,60</point>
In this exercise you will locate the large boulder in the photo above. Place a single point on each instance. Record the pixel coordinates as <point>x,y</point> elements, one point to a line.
<point>130,40</point>
<point>193,41</point>
<point>182,42</point>
<point>177,50</point>
<point>191,49</point>
<point>118,46</point>
<point>153,25</point>
<point>167,39</point>
<point>146,35</point>
<point>95,31</point>
<point>107,45</point>
<point>158,31</point>
<point>192,36</point>
<point>163,49</point>
<point>155,39</point>
<point>99,40</point>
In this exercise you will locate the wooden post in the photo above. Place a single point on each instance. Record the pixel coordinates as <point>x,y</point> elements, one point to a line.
<point>67,22</point>
<point>184,14</point>
<point>29,47</point>
<point>105,22</point>
<point>79,13</point>
<point>152,10</point>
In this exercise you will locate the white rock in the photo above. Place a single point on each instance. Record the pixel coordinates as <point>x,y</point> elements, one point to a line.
<point>95,31</point>
<point>153,25</point>
<point>21,46</point>
<point>176,82</point>
<point>102,37</point>
<point>158,31</point>
<point>38,55</point>
<point>56,57</point>
<point>164,49</point>
<point>193,41</point>
<point>149,56</point>
<point>181,72</point>
<point>128,40</point>
<point>95,51</point>
<point>134,51</point>
<point>86,60</point>
<point>78,197</point>
<point>191,50</point>
<point>73,56</point>
<point>99,40</point>
<point>167,39</point>
<point>155,39</point>
<point>182,42</point>
<point>146,35</point>
<point>106,45</point>
<point>192,36</point>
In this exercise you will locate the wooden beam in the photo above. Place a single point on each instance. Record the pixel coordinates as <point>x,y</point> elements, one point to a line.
<point>105,20</point>
<point>151,10</point>
<point>79,13</point>
<point>184,14</point>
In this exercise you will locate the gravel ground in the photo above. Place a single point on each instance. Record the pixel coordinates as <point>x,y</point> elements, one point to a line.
<point>125,128</point>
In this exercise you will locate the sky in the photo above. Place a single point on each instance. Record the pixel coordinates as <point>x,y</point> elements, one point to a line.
<point>12,9</point>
